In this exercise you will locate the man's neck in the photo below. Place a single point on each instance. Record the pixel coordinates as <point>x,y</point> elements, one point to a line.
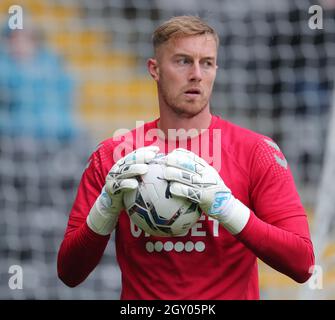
<point>177,122</point>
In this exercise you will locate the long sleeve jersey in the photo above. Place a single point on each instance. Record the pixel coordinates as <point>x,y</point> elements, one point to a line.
<point>208,262</point>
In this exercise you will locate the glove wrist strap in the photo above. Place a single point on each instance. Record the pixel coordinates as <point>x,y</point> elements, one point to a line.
<point>100,221</point>
<point>236,219</point>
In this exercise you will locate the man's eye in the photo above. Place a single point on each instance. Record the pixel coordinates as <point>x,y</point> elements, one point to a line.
<point>183,61</point>
<point>208,63</point>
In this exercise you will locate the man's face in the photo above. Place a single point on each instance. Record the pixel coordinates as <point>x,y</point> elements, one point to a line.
<point>185,70</point>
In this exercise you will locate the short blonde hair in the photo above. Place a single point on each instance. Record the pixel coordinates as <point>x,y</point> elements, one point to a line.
<point>182,26</point>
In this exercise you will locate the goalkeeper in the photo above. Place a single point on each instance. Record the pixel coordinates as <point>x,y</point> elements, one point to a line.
<point>251,208</point>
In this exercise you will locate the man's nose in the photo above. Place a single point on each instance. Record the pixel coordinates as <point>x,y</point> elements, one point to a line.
<point>195,72</point>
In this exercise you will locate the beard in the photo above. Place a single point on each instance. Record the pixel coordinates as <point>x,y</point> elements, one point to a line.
<point>181,105</point>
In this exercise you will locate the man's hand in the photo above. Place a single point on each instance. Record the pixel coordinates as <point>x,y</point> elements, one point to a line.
<point>104,214</point>
<point>193,178</point>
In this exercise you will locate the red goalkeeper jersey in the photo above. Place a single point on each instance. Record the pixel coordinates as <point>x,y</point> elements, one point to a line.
<point>208,262</point>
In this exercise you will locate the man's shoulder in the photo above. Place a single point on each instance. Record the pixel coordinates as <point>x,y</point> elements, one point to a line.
<point>125,138</point>
<point>246,145</point>
<point>235,135</point>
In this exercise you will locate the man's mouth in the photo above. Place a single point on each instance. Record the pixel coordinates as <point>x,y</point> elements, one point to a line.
<point>193,92</point>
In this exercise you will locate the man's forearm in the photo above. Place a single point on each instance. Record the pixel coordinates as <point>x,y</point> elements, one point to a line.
<point>280,246</point>
<point>79,253</point>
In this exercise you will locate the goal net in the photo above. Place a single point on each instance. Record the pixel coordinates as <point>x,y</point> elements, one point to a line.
<point>78,73</point>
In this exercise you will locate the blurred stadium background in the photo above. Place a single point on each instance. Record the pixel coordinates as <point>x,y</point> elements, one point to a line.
<point>276,77</point>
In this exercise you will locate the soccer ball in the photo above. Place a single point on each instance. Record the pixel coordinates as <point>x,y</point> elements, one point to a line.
<point>155,210</point>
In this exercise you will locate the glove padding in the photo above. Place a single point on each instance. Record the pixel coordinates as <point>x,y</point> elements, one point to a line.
<point>104,214</point>
<point>193,178</point>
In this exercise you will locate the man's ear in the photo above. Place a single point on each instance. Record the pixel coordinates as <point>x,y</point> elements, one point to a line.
<point>153,68</point>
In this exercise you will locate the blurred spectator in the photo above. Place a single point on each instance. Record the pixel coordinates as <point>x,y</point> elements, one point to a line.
<point>41,154</point>
<point>36,92</point>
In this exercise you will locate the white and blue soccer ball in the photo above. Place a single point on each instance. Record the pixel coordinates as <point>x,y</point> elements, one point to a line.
<point>155,210</point>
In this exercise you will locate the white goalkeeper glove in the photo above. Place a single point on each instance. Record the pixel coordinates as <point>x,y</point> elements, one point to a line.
<point>193,178</point>
<point>104,214</point>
